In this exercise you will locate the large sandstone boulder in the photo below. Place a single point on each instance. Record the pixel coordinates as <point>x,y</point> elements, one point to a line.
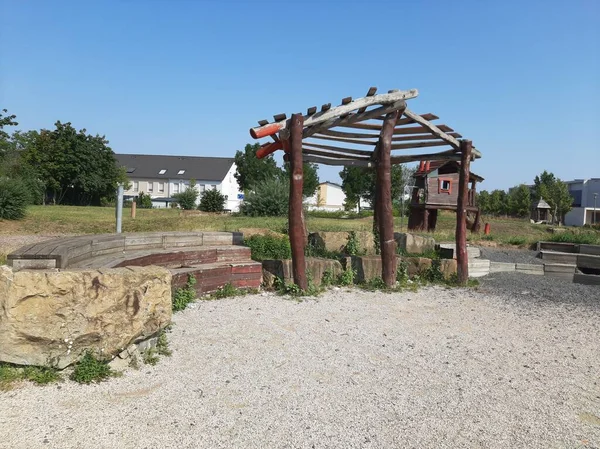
<point>52,317</point>
<point>414,244</point>
<point>282,269</point>
<point>337,241</point>
<point>365,267</point>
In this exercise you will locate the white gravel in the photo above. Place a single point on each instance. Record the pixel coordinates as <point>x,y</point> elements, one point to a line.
<point>433,369</point>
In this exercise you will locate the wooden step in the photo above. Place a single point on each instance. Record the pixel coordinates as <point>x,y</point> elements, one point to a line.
<point>212,276</point>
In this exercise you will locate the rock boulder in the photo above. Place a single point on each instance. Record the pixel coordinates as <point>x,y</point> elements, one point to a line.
<point>51,318</point>
<point>414,244</point>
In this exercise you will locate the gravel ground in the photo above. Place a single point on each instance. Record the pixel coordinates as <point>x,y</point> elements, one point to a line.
<point>440,368</point>
<point>510,255</point>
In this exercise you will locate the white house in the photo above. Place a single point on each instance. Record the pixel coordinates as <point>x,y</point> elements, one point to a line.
<point>329,196</point>
<point>161,177</point>
<point>586,202</point>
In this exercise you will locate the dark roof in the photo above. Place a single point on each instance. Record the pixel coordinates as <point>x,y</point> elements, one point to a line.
<point>540,204</point>
<point>199,168</point>
<point>434,165</point>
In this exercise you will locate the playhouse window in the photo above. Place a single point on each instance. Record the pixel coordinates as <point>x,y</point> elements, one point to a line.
<point>445,186</point>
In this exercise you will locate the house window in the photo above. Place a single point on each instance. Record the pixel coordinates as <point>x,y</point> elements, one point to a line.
<point>136,186</point>
<point>161,187</point>
<point>162,171</point>
<point>150,187</point>
<point>181,172</point>
<point>445,186</point>
<point>176,187</point>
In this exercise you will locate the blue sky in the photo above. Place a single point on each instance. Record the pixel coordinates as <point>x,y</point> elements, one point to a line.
<point>519,78</point>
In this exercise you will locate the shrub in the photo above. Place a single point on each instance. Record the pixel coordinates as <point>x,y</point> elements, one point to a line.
<point>353,245</point>
<point>269,198</point>
<point>347,277</point>
<point>187,199</point>
<point>212,201</point>
<point>264,247</point>
<point>517,240</point>
<point>144,201</point>
<point>184,295</point>
<point>585,238</point>
<point>14,198</point>
<point>90,369</point>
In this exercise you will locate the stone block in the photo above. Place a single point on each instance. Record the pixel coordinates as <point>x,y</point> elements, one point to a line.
<point>588,279</point>
<point>416,265</point>
<point>337,241</point>
<point>32,264</point>
<point>282,268</point>
<point>556,257</point>
<point>588,261</point>
<point>558,247</point>
<point>478,268</point>
<point>448,267</point>
<point>593,250</point>
<point>496,267</point>
<point>51,318</point>
<point>473,252</point>
<point>529,268</point>
<point>413,243</point>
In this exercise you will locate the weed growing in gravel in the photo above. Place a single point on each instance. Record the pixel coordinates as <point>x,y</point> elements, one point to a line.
<point>184,295</point>
<point>41,375</point>
<point>162,344</point>
<point>347,277</point>
<point>328,278</point>
<point>517,240</point>
<point>90,369</point>
<point>226,291</point>
<point>150,356</point>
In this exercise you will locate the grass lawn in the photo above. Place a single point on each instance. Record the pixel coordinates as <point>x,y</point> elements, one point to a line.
<point>49,220</point>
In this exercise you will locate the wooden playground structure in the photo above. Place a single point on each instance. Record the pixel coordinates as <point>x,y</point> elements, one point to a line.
<point>366,132</point>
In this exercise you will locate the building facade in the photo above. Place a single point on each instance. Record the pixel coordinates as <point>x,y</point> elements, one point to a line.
<point>329,196</point>
<point>162,177</point>
<point>586,202</point>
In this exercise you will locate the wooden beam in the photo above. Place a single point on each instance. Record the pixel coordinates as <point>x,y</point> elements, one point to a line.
<point>354,118</point>
<point>406,121</point>
<point>334,155</point>
<point>346,100</point>
<point>461,213</point>
<point>279,117</point>
<point>338,149</point>
<point>383,199</point>
<point>406,146</point>
<point>436,131</point>
<point>420,137</point>
<point>384,100</point>
<point>451,155</point>
<point>345,140</point>
<point>330,132</point>
<point>312,110</point>
<point>398,130</point>
<point>370,93</point>
<point>336,161</point>
<point>296,215</point>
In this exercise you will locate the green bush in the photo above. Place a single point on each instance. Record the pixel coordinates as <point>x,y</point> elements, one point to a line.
<point>581,238</point>
<point>144,201</point>
<point>212,201</point>
<point>90,369</point>
<point>517,241</point>
<point>184,295</point>
<point>269,198</point>
<point>265,247</point>
<point>14,198</point>
<point>187,198</point>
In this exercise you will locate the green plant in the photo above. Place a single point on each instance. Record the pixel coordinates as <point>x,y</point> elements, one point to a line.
<point>184,295</point>
<point>226,291</point>
<point>517,240</point>
<point>489,237</point>
<point>264,247</point>
<point>347,277</point>
<point>13,199</point>
<point>212,201</point>
<point>374,284</point>
<point>581,238</point>
<point>187,198</point>
<point>328,278</point>
<point>41,375</point>
<point>162,344</point>
<point>353,245</point>
<point>433,273</point>
<point>402,272</point>
<point>150,356</point>
<point>90,369</point>
<point>269,198</point>
<point>143,201</point>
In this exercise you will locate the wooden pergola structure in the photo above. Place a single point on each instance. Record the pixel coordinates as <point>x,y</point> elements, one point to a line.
<point>367,131</point>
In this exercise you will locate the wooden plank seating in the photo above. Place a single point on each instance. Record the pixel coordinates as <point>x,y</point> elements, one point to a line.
<point>214,258</point>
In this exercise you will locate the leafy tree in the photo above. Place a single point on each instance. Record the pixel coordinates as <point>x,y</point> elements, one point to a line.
<point>519,201</point>
<point>77,168</point>
<point>6,120</point>
<point>483,201</point>
<point>498,202</point>
<point>311,178</point>
<point>555,193</point>
<point>359,182</point>
<point>212,201</point>
<point>269,198</point>
<point>13,199</point>
<point>250,170</point>
<point>187,198</point>
<point>143,201</point>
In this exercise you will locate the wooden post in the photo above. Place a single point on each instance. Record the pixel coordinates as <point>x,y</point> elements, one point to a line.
<point>295,217</point>
<point>461,212</point>
<point>133,208</point>
<point>383,199</point>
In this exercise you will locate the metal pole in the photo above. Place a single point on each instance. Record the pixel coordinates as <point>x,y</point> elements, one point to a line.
<point>119,207</point>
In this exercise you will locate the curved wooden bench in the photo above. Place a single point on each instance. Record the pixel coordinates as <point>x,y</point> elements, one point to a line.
<point>214,258</point>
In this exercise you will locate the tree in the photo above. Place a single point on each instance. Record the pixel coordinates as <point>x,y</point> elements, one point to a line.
<point>498,203</point>
<point>212,201</point>
<point>187,198</point>
<point>555,193</point>
<point>143,201</point>
<point>358,182</point>
<point>250,170</point>
<point>483,201</point>
<point>269,198</point>
<point>77,168</point>
<point>519,201</point>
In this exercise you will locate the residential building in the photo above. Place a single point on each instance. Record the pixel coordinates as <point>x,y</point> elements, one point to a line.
<point>329,196</point>
<point>161,177</point>
<point>586,202</point>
